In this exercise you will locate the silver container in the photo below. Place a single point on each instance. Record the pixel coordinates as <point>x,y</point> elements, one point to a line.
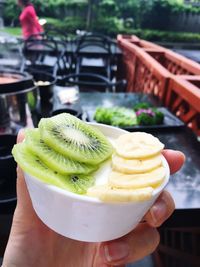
<point>19,101</point>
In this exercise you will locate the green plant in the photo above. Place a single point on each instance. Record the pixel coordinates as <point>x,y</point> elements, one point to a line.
<point>149,116</point>
<point>11,13</point>
<point>116,116</point>
<point>108,7</point>
<point>68,25</point>
<point>111,26</point>
<point>71,24</point>
<point>165,36</point>
<point>16,31</point>
<point>110,16</point>
<point>141,105</point>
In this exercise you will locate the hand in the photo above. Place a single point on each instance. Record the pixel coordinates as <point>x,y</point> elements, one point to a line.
<point>31,243</point>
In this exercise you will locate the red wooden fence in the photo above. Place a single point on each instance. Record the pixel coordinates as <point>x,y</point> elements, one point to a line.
<point>142,72</point>
<point>183,99</point>
<point>174,79</point>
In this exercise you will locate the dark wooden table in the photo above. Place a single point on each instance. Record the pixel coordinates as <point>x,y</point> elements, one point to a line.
<point>184,186</point>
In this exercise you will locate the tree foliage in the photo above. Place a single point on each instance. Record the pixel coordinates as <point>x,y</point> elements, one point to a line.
<point>105,15</point>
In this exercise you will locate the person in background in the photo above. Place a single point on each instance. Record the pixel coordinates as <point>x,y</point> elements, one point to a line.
<point>33,244</point>
<point>28,19</point>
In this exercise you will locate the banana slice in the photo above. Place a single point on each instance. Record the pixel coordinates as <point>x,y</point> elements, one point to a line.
<point>109,194</point>
<point>127,181</point>
<point>138,145</point>
<point>129,166</point>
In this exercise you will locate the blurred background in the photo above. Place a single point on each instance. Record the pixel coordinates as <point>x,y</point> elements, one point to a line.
<point>157,20</point>
<point>40,66</point>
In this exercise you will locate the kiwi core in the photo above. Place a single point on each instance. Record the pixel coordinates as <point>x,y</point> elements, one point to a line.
<point>75,135</point>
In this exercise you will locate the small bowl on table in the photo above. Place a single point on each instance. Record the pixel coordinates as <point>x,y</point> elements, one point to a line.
<point>74,110</point>
<point>85,218</point>
<point>45,82</point>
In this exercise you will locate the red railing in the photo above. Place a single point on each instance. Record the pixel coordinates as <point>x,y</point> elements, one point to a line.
<point>142,72</point>
<point>174,79</point>
<point>173,62</point>
<point>137,41</point>
<point>183,99</point>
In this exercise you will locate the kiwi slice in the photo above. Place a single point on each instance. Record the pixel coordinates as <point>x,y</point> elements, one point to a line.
<point>75,139</point>
<point>53,159</point>
<point>34,166</point>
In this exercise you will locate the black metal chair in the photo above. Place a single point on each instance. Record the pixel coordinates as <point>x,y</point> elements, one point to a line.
<point>62,41</point>
<point>88,82</point>
<point>52,32</point>
<point>85,58</point>
<point>91,37</point>
<point>11,56</point>
<point>39,36</point>
<point>44,54</point>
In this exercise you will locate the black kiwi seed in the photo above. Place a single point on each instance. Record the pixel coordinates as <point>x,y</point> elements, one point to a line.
<point>74,178</point>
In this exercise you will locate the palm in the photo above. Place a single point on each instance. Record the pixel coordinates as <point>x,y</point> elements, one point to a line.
<point>51,249</point>
<point>36,245</point>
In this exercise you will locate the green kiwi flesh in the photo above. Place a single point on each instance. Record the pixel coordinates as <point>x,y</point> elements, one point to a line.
<point>52,159</point>
<point>34,166</point>
<point>75,139</point>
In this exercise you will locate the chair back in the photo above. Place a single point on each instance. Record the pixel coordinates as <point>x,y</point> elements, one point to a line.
<point>93,53</point>
<point>11,56</point>
<point>44,53</point>
<point>93,40</point>
<point>56,34</point>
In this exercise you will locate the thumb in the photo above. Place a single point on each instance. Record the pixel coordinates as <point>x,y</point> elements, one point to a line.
<point>23,199</point>
<point>24,204</point>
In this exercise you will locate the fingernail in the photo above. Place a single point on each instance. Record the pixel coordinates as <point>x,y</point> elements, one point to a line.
<point>158,211</point>
<point>116,251</point>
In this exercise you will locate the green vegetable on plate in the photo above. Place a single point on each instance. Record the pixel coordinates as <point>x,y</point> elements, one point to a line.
<point>141,114</point>
<point>116,116</point>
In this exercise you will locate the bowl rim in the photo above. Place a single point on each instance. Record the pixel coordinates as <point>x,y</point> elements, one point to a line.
<point>86,198</point>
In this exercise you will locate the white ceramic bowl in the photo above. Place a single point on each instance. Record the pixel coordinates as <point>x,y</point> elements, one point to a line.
<point>85,218</point>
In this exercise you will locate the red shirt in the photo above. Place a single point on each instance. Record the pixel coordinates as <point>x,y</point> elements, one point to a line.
<point>29,22</point>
